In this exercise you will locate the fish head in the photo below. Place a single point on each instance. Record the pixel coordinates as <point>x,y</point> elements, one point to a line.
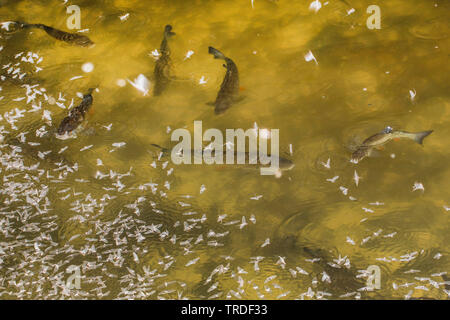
<point>67,125</point>
<point>84,41</point>
<point>359,154</point>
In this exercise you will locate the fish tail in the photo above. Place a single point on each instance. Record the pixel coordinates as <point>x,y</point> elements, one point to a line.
<point>90,90</point>
<point>217,54</point>
<point>168,31</point>
<point>418,137</point>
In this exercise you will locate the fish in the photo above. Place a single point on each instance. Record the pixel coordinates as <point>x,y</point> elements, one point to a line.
<point>162,68</point>
<point>72,38</point>
<point>284,164</point>
<point>229,89</point>
<point>383,137</point>
<point>77,114</point>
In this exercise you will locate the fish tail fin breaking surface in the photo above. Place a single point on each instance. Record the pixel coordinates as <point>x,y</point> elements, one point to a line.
<point>217,54</point>
<point>168,31</point>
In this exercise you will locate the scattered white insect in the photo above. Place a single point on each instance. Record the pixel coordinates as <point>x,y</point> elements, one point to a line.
<point>256,197</point>
<point>310,57</point>
<point>202,80</point>
<point>191,262</point>
<point>437,256</point>
<point>412,94</point>
<point>315,6</point>
<point>141,83</point>
<point>327,164</point>
<point>266,243</point>
<point>243,223</point>
<point>202,188</point>
<point>117,145</point>
<point>155,54</point>
<point>350,11</point>
<point>356,178</point>
<point>418,186</point>
<point>108,127</point>
<point>86,147</point>
<point>124,17</point>
<point>188,54</point>
<point>333,180</point>
<point>75,78</point>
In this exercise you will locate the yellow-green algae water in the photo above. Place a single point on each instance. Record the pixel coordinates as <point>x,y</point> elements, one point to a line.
<point>136,226</point>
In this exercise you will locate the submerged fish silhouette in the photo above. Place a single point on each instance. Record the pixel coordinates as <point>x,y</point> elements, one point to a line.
<point>72,38</point>
<point>383,137</point>
<point>76,115</point>
<point>162,67</point>
<point>229,89</point>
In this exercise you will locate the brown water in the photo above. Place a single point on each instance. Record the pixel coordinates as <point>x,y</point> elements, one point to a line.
<point>62,213</point>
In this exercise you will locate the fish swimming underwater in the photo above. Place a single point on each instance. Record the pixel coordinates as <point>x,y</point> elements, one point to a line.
<point>283,163</point>
<point>162,67</point>
<point>229,89</point>
<point>383,137</point>
<point>76,115</point>
<point>72,38</point>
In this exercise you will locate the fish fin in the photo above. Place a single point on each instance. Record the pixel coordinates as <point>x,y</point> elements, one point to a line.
<point>211,104</point>
<point>238,99</point>
<point>217,54</point>
<point>360,154</point>
<point>374,153</point>
<point>418,137</point>
<point>168,31</point>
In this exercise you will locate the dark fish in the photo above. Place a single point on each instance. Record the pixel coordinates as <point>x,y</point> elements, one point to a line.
<point>229,89</point>
<point>72,38</point>
<point>383,137</point>
<point>283,163</point>
<point>162,67</point>
<point>76,115</point>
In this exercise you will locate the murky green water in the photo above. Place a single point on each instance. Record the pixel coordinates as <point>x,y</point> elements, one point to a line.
<point>137,226</point>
